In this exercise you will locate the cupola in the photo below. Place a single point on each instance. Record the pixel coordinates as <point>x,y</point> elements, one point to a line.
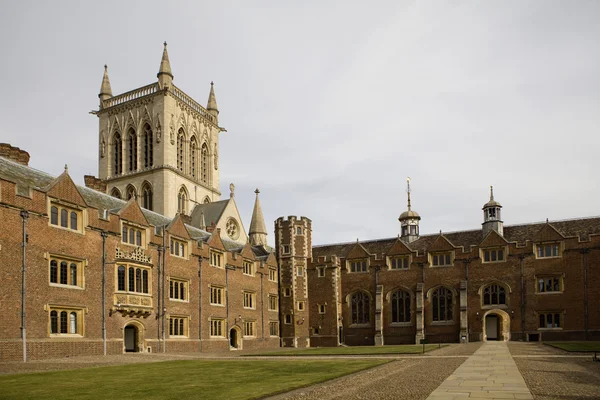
<point>491,216</point>
<point>409,220</point>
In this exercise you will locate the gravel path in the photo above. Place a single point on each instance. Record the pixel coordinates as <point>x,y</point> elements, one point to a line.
<point>552,377</point>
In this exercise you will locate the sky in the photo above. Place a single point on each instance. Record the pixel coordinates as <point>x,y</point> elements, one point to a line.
<point>330,105</point>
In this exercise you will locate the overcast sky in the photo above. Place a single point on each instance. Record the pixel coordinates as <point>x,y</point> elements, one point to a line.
<point>329,106</point>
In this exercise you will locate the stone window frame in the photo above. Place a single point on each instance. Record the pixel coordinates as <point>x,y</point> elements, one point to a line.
<point>178,248</point>
<point>273,302</point>
<point>389,300</point>
<point>217,327</point>
<point>248,267</point>
<point>249,299</point>
<point>320,272</point>
<point>273,275</point>
<point>175,292</point>
<point>144,283</point>
<point>561,320</point>
<point>299,231</point>
<point>350,301</point>
<point>287,291</point>
<point>216,258</point>
<point>493,251</point>
<point>139,233</point>
<point>301,305</point>
<point>299,270</point>
<point>353,264</point>
<point>217,293</point>
<point>507,291</point>
<point>430,295</point>
<point>69,310</point>
<point>552,246</point>
<point>545,277</point>
<point>285,249</point>
<point>274,327</point>
<point>176,323</point>
<point>80,265</point>
<point>434,262</point>
<point>249,329</point>
<point>288,317</point>
<point>322,308</point>
<point>392,262</point>
<point>70,210</point>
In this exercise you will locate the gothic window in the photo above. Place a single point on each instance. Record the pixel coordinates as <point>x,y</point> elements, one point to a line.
<point>148,150</point>
<point>206,200</point>
<point>204,163</point>
<point>401,306</point>
<point>131,193</point>
<point>132,138</point>
<point>181,201</point>
<point>360,308</point>
<point>494,295</point>
<point>147,196</point>
<point>180,144</point>
<point>442,304</point>
<point>116,193</point>
<point>193,156</point>
<point>118,156</point>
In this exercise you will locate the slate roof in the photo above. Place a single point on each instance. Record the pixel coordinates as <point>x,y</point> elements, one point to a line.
<point>580,227</point>
<point>212,212</point>
<point>26,177</point>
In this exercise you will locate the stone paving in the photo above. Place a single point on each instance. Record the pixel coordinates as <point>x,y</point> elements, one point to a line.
<point>490,373</point>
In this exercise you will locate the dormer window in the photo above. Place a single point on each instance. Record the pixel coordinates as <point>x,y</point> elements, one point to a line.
<point>133,235</point>
<point>493,255</point>
<point>445,259</point>
<point>216,259</point>
<point>400,262</point>
<point>548,250</point>
<point>66,217</point>
<point>178,248</point>
<point>358,265</point>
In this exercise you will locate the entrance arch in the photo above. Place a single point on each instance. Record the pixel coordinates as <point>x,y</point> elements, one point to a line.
<point>235,339</point>
<point>133,337</point>
<point>496,325</point>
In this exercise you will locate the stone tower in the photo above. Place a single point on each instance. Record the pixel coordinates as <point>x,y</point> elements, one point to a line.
<point>409,220</point>
<point>159,145</point>
<point>294,249</point>
<point>491,216</point>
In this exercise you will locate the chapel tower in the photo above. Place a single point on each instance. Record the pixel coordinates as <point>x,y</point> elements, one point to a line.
<point>159,145</point>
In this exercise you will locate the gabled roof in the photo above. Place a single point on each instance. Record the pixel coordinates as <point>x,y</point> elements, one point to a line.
<point>212,212</point>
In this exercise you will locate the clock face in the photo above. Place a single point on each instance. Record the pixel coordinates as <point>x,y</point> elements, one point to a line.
<point>233,229</point>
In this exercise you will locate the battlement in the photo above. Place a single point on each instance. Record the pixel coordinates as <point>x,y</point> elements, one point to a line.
<point>292,219</point>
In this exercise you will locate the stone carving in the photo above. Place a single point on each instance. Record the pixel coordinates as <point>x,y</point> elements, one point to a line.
<point>102,145</point>
<point>216,157</point>
<point>172,128</point>
<point>146,301</point>
<point>158,130</point>
<point>137,254</point>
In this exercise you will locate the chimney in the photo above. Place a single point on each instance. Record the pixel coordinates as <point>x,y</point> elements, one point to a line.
<point>14,153</point>
<point>95,183</point>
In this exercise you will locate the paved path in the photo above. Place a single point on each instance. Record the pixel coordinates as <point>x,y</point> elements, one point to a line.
<point>490,373</point>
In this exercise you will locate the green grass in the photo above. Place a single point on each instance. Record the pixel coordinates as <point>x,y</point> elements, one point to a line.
<point>575,346</point>
<point>190,379</point>
<point>354,350</point>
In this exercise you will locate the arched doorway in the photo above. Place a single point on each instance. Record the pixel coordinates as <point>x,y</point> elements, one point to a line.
<point>235,339</point>
<point>496,325</point>
<point>133,338</point>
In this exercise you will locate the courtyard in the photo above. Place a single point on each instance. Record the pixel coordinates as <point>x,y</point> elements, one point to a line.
<point>474,370</point>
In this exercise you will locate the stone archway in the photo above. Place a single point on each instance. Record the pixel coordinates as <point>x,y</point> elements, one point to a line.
<point>235,338</point>
<point>496,325</point>
<point>133,337</point>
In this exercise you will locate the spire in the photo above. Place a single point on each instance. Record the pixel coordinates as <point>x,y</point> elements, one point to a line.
<point>408,190</point>
<point>165,76</point>
<point>491,193</point>
<point>105,89</point>
<point>258,230</point>
<point>212,100</point>
<point>202,221</point>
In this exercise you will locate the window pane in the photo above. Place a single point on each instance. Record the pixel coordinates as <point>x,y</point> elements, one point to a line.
<point>145,279</point>
<point>121,277</point>
<point>500,255</point>
<point>131,279</point>
<point>493,255</point>
<point>138,280</point>
<point>182,291</point>
<point>542,321</point>
<point>53,271</point>
<point>124,234</point>
<point>54,215</point>
<point>486,255</point>
<point>73,320</point>
<point>63,322</point>
<point>73,274</point>
<point>63,273</point>
<point>64,216</point>
<point>138,238</point>
<point>131,236</point>
<point>557,320</point>
<point>73,220</point>
<point>53,322</point>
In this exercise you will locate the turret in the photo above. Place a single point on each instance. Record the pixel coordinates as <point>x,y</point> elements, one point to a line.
<point>491,216</point>
<point>165,76</point>
<point>258,230</point>
<point>105,89</point>
<point>409,220</point>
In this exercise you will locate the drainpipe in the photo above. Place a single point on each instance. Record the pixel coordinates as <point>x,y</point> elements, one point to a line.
<point>200,301</point>
<point>159,307</point>
<point>104,235</point>
<point>262,307</point>
<point>521,258</point>
<point>585,251</point>
<point>24,216</point>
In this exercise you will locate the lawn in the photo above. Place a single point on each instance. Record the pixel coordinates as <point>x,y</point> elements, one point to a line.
<point>354,350</point>
<point>190,379</point>
<point>575,346</point>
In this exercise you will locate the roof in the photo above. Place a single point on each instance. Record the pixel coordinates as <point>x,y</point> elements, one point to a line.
<point>579,227</point>
<point>212,212</point>
<point>26,178</point>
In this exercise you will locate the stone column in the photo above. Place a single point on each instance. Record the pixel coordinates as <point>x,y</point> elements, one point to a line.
<point>464,323</point>
<point>379,316</point>
<point>419,317</point>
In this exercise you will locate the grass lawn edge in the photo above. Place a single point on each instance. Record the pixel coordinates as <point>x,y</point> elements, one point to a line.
<point>302,353</point>
<point>571,347</point>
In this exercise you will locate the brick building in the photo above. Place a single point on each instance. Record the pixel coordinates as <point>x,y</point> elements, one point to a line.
<point>520,282</point>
